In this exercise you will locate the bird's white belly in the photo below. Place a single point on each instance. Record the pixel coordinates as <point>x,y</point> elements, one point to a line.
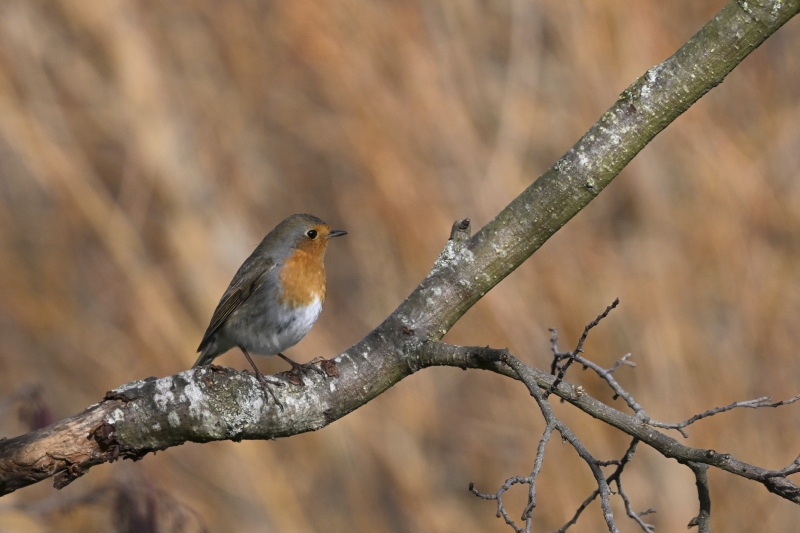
<point>283,328</point>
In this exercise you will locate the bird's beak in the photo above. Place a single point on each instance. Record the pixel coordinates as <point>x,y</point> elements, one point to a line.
<point>337,233</point>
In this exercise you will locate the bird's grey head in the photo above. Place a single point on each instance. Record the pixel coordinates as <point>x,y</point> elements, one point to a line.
<point>305,232</point>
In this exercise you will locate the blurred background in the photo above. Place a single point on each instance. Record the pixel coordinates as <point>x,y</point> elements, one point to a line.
<point>147,146</point>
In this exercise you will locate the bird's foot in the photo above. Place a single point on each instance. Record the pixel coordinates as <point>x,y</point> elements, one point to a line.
<point>295,375</point>
<point>267,384</point>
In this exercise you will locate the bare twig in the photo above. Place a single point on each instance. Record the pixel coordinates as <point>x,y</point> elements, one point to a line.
<point>567,435</point>
<point>636,517</point>
<point>702,520</point>
<point>529,480</point>
<point>606,374</point>
<point>574,519</point>
<point>552,423</point>
<point>615,477</point>
<point>440,354</point>
<point>764,401</point>
<point>622,361</point>
<point>570,356</point>
<point>498,497</point>
<point>537,466</point>
<point>616,387</point>
<point>789,470</point>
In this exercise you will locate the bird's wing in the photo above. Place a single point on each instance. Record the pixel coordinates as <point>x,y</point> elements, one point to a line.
<point>233,298</point>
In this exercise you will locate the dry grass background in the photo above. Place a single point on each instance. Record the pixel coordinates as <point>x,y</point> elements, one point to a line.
<point>147,146</point>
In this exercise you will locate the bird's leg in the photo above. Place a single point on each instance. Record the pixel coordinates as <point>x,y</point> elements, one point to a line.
<point>297,368</point>
<point>265,383</point>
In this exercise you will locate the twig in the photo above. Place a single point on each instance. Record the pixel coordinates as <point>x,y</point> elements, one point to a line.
<point>616,387</point>
<point>498,497</point>
<point>574,519</point>
<point>570,356</point>
<point>751,404</point>
<point>636,517</point>
<point>622,361</point>
<point>530,481</point>
<point>615,477</point>
<point>567,434</point>
<point>702,520</point>
<point>789,470</point>
<point>606,374</point>
<point>537,466</point>
<point>553,423</point>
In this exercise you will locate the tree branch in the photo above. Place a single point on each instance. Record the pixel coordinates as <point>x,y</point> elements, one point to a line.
<point>704,495</point>
<point>439,354</point>
<point>207,404</point>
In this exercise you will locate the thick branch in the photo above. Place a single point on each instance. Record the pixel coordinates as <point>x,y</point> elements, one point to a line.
<point>203,405</point>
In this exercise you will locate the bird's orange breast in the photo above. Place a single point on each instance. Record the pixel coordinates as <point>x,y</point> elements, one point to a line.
<point>302,278</point>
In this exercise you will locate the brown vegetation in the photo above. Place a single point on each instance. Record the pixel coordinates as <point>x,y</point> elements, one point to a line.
<point>146,147</point>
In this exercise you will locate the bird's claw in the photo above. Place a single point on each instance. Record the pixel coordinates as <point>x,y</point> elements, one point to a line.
<point>266,384</point>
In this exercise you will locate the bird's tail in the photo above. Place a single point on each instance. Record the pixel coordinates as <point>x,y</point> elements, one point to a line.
<point>206,358</point>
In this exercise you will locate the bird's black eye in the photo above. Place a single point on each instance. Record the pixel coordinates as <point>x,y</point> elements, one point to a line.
<point>312,234</point>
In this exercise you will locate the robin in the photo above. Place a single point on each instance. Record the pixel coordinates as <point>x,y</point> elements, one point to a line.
<point>275,296</point>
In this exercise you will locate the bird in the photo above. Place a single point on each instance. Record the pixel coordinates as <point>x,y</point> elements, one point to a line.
<point>275,296</point>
